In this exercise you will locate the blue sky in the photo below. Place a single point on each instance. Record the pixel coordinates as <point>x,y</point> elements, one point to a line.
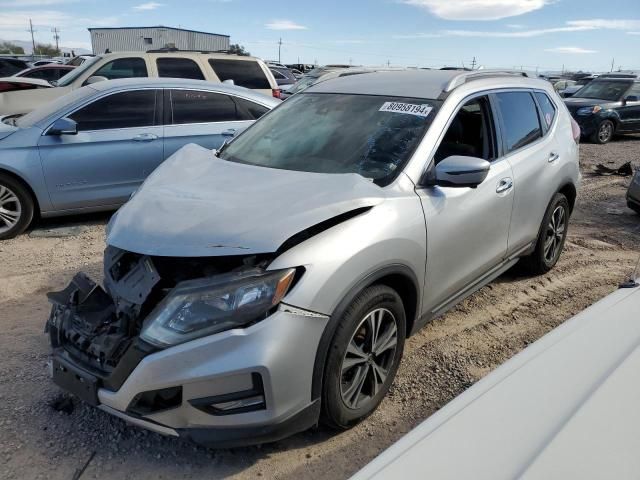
<point>547,34</point>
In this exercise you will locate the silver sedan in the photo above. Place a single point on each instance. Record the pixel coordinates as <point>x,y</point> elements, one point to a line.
<point>91,149</point>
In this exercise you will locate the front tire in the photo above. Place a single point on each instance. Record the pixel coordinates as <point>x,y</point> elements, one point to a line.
<point>604,132</point>
<point>364,357</point>
<point>16,207</point>
<point>553,233</point>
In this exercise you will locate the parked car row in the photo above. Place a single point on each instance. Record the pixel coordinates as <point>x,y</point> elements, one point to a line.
<point>251,292</point>
<point>243,71</point>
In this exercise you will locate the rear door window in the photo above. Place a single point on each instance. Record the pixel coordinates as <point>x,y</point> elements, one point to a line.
<point>193,106</point>
<point>244,73</point>
<point>520,123</point>
<point>547,107</point>
<point>122,68</point>
<point>179,68</point>
<point>249,110</point>
<point>120,110</point>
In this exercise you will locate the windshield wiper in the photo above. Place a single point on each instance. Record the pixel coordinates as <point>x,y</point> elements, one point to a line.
<point>222,147</point>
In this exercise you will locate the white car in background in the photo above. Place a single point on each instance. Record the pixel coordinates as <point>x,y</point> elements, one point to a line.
<point>243,71</point>
<point>566,407</point>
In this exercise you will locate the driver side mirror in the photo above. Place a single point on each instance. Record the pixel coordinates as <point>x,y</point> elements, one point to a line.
<point>461,171</point>
<point>229,82</point>
<point>631,98</point>
<point>95,79</point>
<point>63,126</point>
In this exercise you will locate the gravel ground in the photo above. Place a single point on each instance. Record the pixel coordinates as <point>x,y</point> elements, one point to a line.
<point>441,361</point>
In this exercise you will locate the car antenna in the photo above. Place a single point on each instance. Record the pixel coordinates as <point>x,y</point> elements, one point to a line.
<point>633,279</point>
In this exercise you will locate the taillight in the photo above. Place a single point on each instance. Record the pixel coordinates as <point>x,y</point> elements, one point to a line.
<point>575,129</point>
<point>276,92</point>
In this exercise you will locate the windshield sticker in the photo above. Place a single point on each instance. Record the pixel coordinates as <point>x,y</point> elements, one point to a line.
<point>409,108</point>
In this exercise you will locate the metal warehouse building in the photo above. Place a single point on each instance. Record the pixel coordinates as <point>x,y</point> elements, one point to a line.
<point>141,39</point>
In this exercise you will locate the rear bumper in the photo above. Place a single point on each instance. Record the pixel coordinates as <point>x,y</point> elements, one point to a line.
<point>633,193</point>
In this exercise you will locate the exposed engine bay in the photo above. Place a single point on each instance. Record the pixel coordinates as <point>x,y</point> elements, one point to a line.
<point>99,326</point>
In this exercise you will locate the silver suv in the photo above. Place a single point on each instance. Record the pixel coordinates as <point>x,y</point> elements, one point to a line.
<point>252,292</point>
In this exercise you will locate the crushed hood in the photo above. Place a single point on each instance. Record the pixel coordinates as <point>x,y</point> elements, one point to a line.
<point>197,205</point>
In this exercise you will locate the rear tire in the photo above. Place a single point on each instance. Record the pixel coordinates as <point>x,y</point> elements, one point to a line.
<point>16,207</point>
<point>604,132</point>
<point>363,357</point>
<point>553,233</point>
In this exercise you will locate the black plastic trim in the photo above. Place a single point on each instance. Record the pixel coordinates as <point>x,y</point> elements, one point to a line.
<point>204,404</point>
<point>229,437</point>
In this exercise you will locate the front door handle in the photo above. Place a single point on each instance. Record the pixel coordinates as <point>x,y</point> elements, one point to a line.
<point>504,185</point>
<point>145,137</point>
<point>553,156</point>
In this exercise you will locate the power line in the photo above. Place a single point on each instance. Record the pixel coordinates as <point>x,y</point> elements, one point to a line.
<point>56,37</point>
<point>33,42</point>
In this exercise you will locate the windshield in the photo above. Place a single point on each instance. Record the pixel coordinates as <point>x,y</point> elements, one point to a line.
<point>606,90</point>
<point>76,72</point>
<point>52,107</point>
<point>371,135</point>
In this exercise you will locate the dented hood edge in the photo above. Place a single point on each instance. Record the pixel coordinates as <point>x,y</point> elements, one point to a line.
<point>197,205</point>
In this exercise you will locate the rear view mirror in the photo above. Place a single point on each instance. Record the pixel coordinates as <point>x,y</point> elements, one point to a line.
<point>63,126</point>
<point>95,79</point>
<point>461,171</point>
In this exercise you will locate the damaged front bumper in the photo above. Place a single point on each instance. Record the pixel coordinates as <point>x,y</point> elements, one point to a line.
<point>237,387</point>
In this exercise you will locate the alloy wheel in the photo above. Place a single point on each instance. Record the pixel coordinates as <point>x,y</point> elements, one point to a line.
<point>555,234</point>
<point>369,358</point>
<point>10,209</point>
<point>605,132</point>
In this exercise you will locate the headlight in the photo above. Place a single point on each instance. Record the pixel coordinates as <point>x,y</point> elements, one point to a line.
<point>589,110</point>
<point>197,308</point>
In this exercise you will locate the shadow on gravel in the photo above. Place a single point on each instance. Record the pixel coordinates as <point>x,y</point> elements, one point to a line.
<point>86,219</point>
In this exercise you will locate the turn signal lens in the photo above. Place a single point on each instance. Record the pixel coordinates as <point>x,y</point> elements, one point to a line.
<point>283,287</point>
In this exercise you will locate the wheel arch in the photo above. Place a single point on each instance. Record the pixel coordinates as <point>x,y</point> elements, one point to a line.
<point>398,277</point>
<point>27,187</point>
<point>569,190</point>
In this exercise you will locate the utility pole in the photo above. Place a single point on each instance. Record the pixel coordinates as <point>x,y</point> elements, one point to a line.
<point>613,60</point>
<point>56,37</point>
<point>388,63</point>
<point>33,42</point>
<point>279,50</point>
<point>473,63</point>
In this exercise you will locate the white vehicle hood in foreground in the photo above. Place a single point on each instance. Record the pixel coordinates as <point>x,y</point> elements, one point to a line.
<point>197,205</point>
<point>567,407</point>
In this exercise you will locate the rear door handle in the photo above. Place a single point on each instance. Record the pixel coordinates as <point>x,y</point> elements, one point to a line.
<point>504,185</point>
<point>145,137</point>
<point>553,156</point>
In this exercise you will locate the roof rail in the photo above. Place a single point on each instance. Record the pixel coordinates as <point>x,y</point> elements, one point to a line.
<point>618,75</point>
<point>177,50</point>
<point>463,77</point>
